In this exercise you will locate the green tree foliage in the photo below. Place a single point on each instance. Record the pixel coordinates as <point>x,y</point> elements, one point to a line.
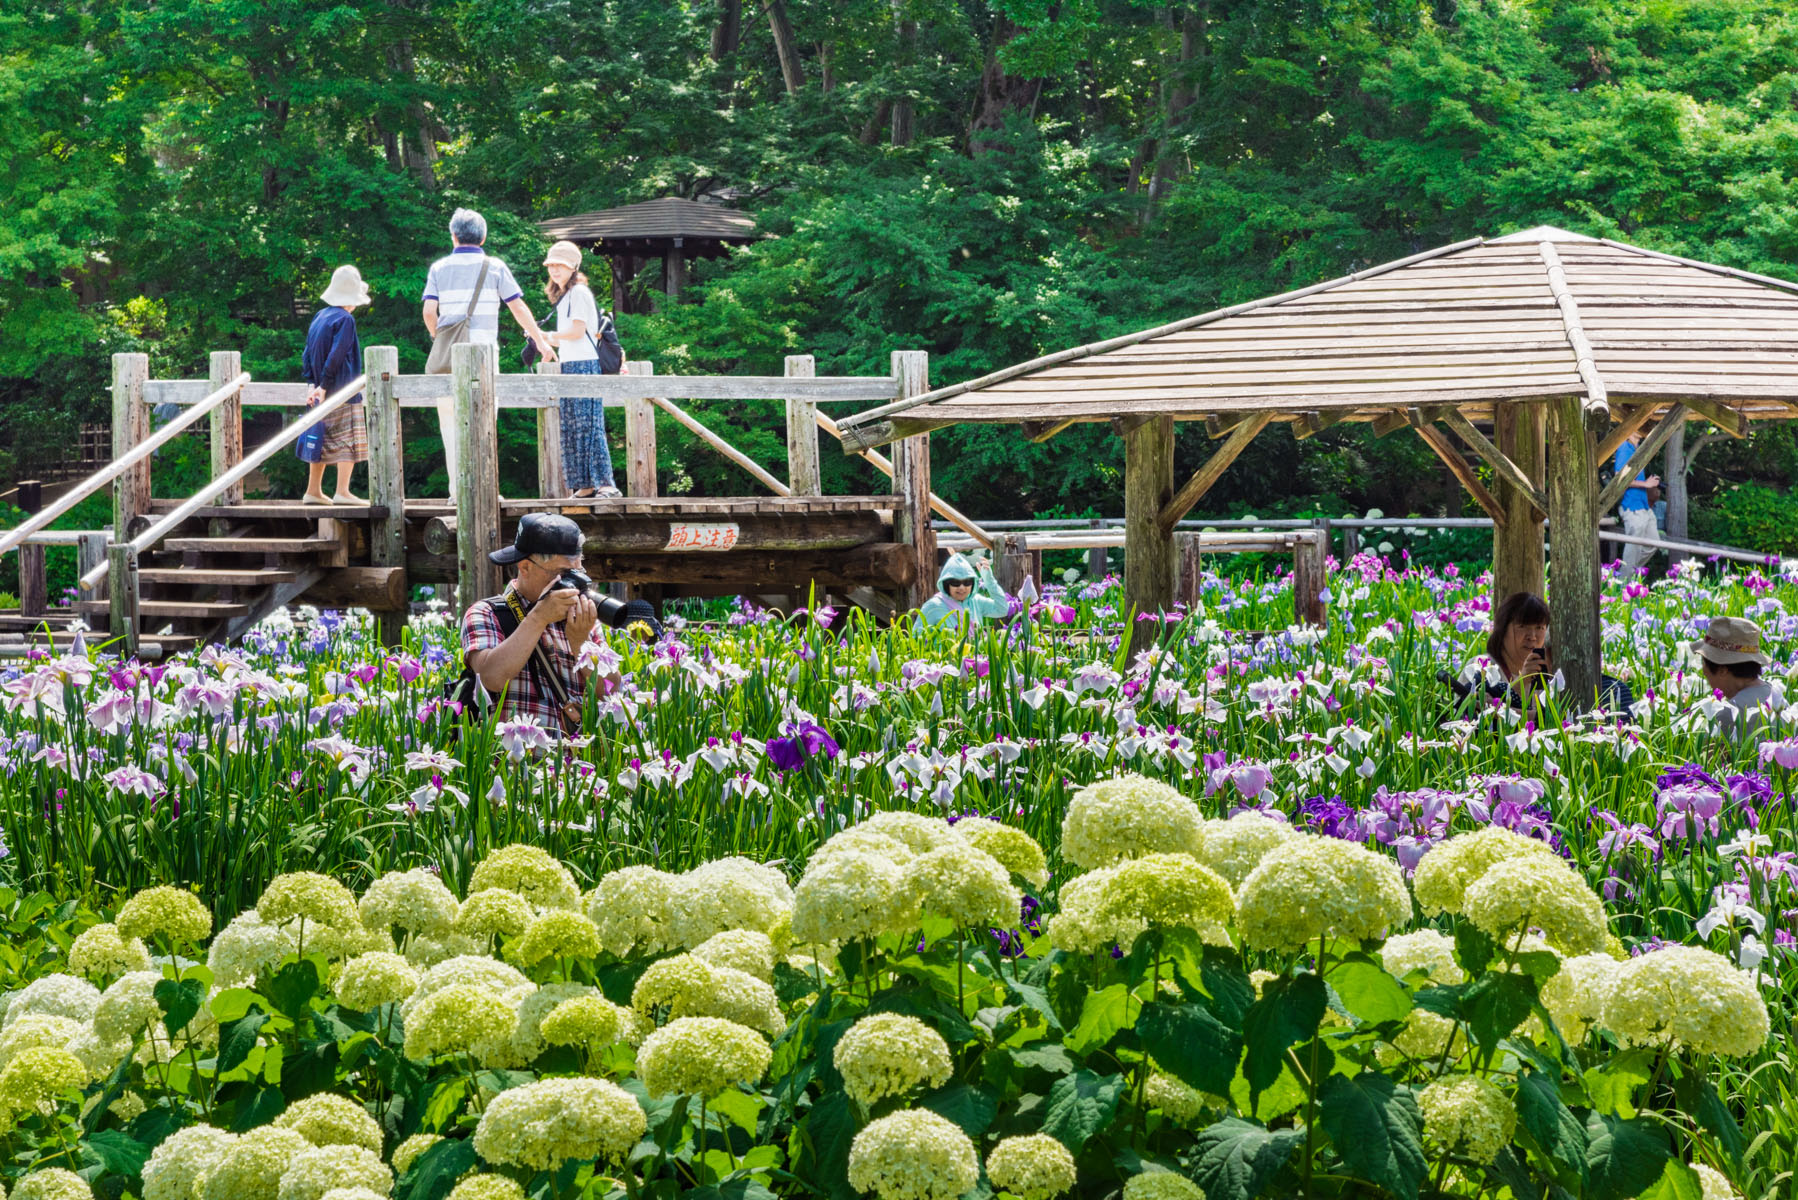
<point>985,179</point>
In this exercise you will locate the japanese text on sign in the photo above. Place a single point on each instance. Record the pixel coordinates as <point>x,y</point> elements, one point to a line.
<point>701,537</point>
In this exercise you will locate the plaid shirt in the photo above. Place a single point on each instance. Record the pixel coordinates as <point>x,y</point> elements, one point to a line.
<point>527,697</point>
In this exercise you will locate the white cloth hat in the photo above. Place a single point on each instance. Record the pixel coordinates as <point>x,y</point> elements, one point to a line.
<point>1732,640</point>
<point>347,289</point>
<point>564,254</point>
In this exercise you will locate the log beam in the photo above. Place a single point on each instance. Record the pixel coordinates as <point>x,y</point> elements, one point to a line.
<point>1508,472</point>
<point>607,533</point>
<point>1438,441</point>
<point>1042,431</point>
<point>1644,454</point>
<point>885,567</point>
<point>378,589</point>
<point>1630,426</point>
<point>1310,424</point>
<point>1721,415</point>
<point>1195,488</point>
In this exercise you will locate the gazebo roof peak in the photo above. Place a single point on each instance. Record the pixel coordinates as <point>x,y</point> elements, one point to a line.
<point>1542,233</point>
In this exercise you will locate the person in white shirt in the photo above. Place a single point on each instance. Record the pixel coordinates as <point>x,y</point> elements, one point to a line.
<point>586,456</point>
<point>450,294</point>
<point>1730,654</point>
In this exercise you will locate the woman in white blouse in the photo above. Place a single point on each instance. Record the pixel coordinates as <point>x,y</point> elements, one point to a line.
<point>586,456</point>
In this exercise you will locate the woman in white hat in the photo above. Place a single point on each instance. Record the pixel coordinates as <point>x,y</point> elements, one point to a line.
<point>332,358</point>
<point>586,457</point>
<point>1731,656</point>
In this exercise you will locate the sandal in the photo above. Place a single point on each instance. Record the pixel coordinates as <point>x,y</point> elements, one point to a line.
<point>609,493</point>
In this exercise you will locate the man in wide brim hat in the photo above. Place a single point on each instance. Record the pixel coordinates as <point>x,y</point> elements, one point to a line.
<point>1731,657</point>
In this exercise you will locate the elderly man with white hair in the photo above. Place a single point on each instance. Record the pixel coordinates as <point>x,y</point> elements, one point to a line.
<point>467,284</point>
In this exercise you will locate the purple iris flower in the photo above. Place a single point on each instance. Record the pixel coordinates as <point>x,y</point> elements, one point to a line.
<point>1332,817</point>
<point>786,753</point>
<point>816,741</point>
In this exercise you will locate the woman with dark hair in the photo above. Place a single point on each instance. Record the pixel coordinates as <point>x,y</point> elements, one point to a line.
<point>1518,643</point>
<point>1518,650</point>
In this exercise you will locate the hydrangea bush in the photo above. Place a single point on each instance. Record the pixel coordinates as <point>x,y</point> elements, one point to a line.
<point>898,1022</point>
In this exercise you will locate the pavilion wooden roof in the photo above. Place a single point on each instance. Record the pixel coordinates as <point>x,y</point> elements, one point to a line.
<point>1536,314</point>
<point>666,219</point>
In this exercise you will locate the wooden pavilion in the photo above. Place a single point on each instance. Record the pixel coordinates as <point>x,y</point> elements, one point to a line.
<point>1560,345</point>
<point>670,229</point>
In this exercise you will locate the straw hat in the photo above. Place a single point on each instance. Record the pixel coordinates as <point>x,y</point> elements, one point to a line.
<point>563,254</point>
<point>1732,640</point>
<point>347,289</point>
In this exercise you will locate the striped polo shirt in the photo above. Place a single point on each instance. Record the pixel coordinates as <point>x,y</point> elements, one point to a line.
<point>451,283</point>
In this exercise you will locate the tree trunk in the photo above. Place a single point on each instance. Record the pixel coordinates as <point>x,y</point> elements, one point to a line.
<point>882,110</point>
<point>827,80</point>
<point>1001,93</point>
<point>1170,159</point>
<point>907,30</point>
<point>791,72</point>
<point>729,29</point>
<point>419,152</point>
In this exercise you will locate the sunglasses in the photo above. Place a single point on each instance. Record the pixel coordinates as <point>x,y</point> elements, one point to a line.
<point>958,583</point>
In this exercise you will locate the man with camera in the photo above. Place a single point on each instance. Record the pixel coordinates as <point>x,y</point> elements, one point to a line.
<point>522,646</point>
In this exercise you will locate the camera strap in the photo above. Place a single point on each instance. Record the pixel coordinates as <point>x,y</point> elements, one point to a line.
<point>558,688</point>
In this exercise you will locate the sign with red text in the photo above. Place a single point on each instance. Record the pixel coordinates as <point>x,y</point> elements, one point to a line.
<point>682,536</point>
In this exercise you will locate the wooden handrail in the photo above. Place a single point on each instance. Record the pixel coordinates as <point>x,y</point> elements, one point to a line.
<point>263,453</point>
<point>720,445</point>
<point>938,505</point>
<point>112,470</point>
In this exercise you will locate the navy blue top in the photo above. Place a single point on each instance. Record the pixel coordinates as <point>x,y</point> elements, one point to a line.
<point>333,354</point>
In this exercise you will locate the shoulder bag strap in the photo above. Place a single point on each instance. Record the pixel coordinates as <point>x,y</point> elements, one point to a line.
<point>480,281</point>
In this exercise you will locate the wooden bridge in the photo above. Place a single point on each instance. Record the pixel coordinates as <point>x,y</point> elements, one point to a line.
<point>208,567</point>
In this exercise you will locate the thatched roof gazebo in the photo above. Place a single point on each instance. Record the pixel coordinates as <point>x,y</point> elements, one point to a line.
<point>671,229</point>
<point>1563,345</point>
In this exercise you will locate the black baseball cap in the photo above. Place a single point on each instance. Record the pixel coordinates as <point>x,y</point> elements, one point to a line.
<point>541,533</point>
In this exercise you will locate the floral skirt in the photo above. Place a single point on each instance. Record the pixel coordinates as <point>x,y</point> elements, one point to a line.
<point>586,456</point>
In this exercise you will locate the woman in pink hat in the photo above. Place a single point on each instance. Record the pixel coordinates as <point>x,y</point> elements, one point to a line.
<point>580,328</point>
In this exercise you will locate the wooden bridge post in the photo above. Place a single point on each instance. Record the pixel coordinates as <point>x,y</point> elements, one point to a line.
<point>227,422</point>
<point>386,476</point>
<point>474,377</point>
<point>911,482</point>
<point>552,472</point>
<point>34,589</point>
<point>130,425</point>
<point>1311,574</point>
<point>1573,588</point>
<point>90,552</point>
<point>1517,544</point>
<point>1014,562</point>
<point>122,587</point>
<point>1148,549</point>
<point>803,474</point>
<point>1189,569</point>
<point>640,438</point>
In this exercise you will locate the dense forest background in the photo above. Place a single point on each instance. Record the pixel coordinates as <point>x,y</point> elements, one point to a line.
<point>984,179</point>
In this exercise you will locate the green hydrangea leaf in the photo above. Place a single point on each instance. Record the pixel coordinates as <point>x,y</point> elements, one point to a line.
<point>1377,1130</point>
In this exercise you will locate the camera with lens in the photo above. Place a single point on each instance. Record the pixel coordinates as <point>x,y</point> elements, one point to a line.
<point>636,617</point>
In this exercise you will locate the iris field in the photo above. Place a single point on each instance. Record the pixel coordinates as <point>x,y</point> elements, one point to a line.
<point>822,909</point>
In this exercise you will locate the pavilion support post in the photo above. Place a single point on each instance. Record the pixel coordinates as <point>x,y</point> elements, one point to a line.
<point>1310,576</point>
<point>911,482</point>
<point>1517,542</point>
<point>386,479</point>
<point>803,475</point>
<point>130,425</point>
<point>475,380</point>
<point>1148,544</point>
<point>552,472</point>
<point>34,586</point>
<point>227,423</point>
<point>1573,588</point>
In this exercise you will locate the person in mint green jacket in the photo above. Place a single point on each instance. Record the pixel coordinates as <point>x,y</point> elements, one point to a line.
<point>964,596</point>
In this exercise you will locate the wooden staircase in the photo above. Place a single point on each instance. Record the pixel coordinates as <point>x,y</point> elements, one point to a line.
<point>231,567</point>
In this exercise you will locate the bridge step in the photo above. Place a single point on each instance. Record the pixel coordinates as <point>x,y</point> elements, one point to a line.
<point>208,577</point>
<point>194,609</point>
<point>251,545</point>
